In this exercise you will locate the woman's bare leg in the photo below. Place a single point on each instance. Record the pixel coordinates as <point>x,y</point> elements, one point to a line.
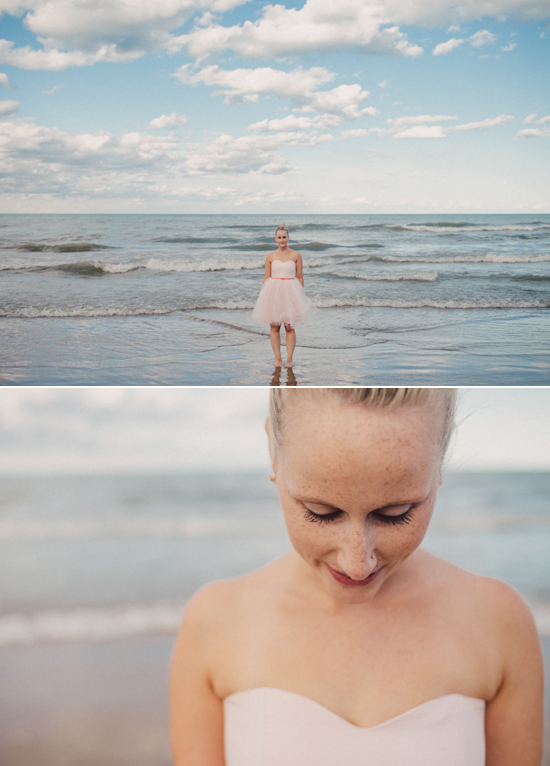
<point>290,344</point>
<point>275,337</point>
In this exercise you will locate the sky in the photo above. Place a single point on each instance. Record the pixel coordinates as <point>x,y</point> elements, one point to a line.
<point>221,106</point>
<point>63,431</point>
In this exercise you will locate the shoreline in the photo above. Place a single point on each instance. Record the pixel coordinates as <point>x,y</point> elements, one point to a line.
<point>344,346</point>
<point>99,703</point>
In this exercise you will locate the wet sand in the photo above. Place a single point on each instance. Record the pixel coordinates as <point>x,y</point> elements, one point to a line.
<point>98,704</point>
<point>219,348</point>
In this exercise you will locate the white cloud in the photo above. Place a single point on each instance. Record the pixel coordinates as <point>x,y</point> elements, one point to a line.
<point>37,159</point>
<point>533,133</point>
<point>531,119</point>
<point>422,131</point>
<point>298,85</point>
<point>76,33</point>
<point>292,122</point>
<point>342,101</point>
<point>447,47</point>
<point>135,430</point>
<point>53,90</point>
<point>356,133</point>
<point>255,153</point>
<point>509,47</point>
<point>5,81</point>
<point>241,85</point>
<point>8,107</point>
<point>421,119</point>
<point>168,121</point>
<point>53,60</point>
<point>489,123</point>
<point>317,26</point>
<point>482,37</point>
<point>383,84</point>
<point>420,127</point>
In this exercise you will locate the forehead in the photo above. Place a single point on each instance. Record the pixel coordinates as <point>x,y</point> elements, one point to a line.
<point>336,448</point>
<point>281,231</point>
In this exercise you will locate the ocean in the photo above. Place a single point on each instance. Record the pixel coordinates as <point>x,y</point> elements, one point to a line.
<point>167,299</point>
<point>106,557</point>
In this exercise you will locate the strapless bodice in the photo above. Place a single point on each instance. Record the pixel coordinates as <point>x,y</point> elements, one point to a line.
<point>283,269</point>
<point>274,727</point>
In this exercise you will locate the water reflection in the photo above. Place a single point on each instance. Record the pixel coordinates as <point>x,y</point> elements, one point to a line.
<point>278,374</point>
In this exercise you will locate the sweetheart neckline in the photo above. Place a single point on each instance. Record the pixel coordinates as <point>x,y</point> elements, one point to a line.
<point>355,726</point>
<point>278,259</point>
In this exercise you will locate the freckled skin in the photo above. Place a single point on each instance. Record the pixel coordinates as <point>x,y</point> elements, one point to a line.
<point>369,464</point>
<point>420,629</point>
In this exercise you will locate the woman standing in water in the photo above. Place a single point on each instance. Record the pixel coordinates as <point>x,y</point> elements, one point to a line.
<point>358,647</point>
<point>282,299</point>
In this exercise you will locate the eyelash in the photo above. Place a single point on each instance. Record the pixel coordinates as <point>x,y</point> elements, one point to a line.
<point>326,518</point>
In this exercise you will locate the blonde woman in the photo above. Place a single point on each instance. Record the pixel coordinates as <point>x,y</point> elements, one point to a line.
<point>358,647</point>
<point>282,299</point>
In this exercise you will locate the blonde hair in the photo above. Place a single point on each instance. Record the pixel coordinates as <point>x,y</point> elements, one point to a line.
<point>281,227</point>
<point>380,398</point>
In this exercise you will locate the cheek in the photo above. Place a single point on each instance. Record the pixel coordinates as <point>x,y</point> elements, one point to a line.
<point>306,537</point>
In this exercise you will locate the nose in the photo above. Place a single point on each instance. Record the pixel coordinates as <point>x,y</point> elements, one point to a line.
<point>357,552</point>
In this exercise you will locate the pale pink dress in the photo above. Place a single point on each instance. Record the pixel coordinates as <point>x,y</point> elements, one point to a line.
<point>282,298</point>
<point>274,727</point>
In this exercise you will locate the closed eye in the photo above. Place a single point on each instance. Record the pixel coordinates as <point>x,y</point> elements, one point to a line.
<point>403,518</point>
<point>326,518</point>
<point>321,518</point>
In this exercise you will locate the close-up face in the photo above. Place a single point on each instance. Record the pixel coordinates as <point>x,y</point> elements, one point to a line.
<point>281,237</point>
<point>357,486</point>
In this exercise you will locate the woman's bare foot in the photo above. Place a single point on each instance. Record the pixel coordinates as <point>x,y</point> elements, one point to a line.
<point>289,363</point>
<point>279,363</point>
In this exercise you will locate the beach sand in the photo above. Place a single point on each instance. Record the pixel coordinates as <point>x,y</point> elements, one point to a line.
<point>98,704</point>
<point>376,346</point>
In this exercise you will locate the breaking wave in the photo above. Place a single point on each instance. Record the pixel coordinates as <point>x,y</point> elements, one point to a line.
<point>484,258</point>
<point>103,624</point>
<point>461,226</point>
<point>63,247</point>
<point>430,276</point>
<point>421,304</point>
<point>100,268</point>
<point>91,312</point>
<point>89,624</point>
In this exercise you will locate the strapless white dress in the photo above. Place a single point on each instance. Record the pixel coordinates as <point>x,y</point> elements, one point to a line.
<point>282,298</point>
<point>274,727</point>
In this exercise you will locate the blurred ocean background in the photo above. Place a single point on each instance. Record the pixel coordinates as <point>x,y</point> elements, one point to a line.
<point>116,504</point>
<point>95,573</point>
<point>109,556</point>
<point>167,299</point>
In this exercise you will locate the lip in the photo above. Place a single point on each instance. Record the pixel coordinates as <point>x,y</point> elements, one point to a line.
<point>345,580</point>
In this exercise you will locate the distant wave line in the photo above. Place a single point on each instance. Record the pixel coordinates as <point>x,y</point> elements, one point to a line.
<point>243,305</point>
<point>224,525</point>
<point>103,624</point>
<point>430,276</point>
<point>447,227</point>
<point>192,526</point>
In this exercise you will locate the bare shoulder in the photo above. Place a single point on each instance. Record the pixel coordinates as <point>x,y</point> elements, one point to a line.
<point>296,255</point>
<point>210,606</point>
<point>499,601</point>
<point>218,604</point>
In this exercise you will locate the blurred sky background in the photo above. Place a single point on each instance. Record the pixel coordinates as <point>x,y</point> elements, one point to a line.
<point>49,431</point>
<point>212,106</point>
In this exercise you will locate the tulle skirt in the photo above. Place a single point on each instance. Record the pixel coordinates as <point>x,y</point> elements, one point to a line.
<point>281,301</point>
